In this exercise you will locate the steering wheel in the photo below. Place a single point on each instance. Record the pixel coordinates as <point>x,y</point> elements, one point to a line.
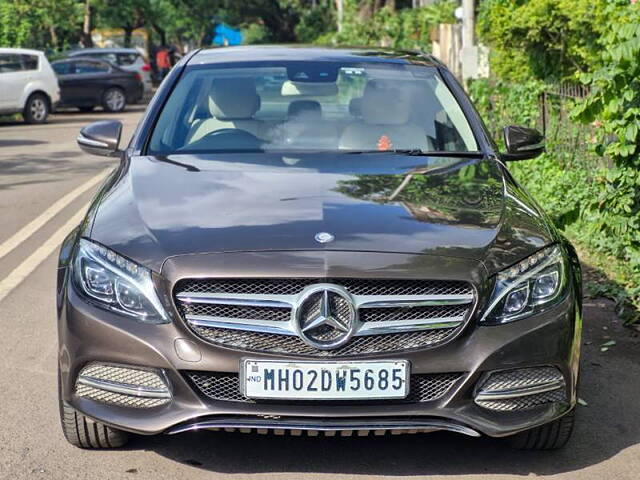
<point>233,137</point>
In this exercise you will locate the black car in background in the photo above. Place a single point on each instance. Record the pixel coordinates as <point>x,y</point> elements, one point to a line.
<point>86,83</point>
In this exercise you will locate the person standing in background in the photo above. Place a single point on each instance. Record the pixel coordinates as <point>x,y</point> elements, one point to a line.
<point>163,61</point>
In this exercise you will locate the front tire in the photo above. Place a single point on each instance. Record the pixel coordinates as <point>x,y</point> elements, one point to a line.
<point>113,100</point>
<point>550,436</point>
<point>83,432</point>
<point>37,109</point>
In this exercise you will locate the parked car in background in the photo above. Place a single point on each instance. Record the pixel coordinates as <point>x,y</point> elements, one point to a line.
<point>28,84</point>
<point>128,59</point>
<point>86,83</point>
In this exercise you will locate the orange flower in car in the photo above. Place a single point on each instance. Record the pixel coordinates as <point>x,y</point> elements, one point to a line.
<point>384,143</point>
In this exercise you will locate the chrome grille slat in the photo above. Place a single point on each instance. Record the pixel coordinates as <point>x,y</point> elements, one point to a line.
<point>422,313</point>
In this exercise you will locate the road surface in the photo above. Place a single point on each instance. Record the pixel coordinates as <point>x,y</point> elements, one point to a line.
<point>45,184</point>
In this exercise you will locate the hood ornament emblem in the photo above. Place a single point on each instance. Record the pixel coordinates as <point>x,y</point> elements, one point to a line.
<point>324,237</point>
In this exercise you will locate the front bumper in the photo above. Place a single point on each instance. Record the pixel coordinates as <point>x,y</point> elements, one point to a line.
<point>90,334</point>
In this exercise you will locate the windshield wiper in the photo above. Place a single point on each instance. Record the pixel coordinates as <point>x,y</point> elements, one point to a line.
<point>188,167</point>
<point>415,152</point>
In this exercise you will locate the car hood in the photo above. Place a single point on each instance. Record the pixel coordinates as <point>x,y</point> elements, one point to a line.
<point>156,208</point>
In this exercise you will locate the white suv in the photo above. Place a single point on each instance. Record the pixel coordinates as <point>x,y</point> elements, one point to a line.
<point>29,84</point>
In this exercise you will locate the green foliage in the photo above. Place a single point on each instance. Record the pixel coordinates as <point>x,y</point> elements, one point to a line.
<point>315,22</point>
<point>405,29</point>
<point>43,24</point>
<point>545,39</point>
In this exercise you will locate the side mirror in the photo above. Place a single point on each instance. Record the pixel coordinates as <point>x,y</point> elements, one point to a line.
<point>522,143</point>
<point>101,138</point>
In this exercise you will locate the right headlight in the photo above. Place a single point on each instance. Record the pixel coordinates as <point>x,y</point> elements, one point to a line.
<point>116,283</point>
<point>527,287</point>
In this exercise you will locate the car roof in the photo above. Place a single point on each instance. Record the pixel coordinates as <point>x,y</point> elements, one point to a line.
<point>88,51</point>
<point>21,50</point>
<point>253,53</point>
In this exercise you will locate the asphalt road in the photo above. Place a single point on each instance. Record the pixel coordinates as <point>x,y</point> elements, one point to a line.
<point>46,182</point>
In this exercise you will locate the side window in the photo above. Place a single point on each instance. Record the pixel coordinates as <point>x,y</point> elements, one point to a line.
<point>63,68</point>
<point>10,63</point>
<point>29,62</point>
<point>127,58</point>
<point>84,66</point>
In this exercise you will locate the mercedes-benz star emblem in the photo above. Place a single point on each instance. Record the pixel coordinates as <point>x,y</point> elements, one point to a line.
<point>324,237</point>
<point>325,316</point>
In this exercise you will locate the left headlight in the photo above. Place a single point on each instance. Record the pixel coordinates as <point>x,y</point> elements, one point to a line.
<point>527,287</point>
<point>117,283</point>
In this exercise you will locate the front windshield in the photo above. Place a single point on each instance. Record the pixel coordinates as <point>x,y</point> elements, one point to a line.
<point>311,107</point>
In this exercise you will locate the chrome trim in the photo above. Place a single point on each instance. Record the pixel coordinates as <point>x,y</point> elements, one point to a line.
<point>250,300</point>
<point>294,302</point>
<point>518,392</point>
<point>91,143</point>
<point>289,301</point>
<point>139,391</point>
<point>320,425</point>
<point>384,301</point>
<point>264,326</point>
<point>398,326</point>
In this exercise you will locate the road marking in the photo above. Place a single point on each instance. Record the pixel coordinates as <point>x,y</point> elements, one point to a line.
<point>35,224</point>
<point>27,267</point>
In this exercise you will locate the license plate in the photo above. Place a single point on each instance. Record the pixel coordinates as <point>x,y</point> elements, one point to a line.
<point>369,380</point>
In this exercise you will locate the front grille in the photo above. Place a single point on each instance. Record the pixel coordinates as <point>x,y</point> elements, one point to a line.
<point>259,315</point>
<point>355,286</point>
<point>226,387</point>
<point>291,345</point>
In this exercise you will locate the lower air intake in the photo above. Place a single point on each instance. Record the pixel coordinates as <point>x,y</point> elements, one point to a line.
<point>122,386</point>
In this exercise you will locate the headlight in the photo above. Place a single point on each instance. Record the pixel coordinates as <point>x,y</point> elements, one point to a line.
<point>116,283</point>
<point>527,287</point>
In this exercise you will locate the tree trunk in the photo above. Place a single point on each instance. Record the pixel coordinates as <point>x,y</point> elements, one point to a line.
<point>85,38</point>
<point>128,31</point>
<point>162,34</point>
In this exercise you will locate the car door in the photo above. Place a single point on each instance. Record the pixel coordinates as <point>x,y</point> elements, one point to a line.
<point>13,79</point>
<point>70,84</point>
<point>86,84</point>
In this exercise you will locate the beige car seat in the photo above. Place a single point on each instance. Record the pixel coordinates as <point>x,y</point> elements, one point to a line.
<point>232,103</point>
<point>305,127</point>
<point>385,123</point>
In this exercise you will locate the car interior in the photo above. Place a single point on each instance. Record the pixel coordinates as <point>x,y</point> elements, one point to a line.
<point>351,109</point>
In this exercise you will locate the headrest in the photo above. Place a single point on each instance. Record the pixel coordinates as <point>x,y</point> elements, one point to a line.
<point>233,98</point>
<point>383,103</point>
<point>309,109</point>
<point>355,107</point>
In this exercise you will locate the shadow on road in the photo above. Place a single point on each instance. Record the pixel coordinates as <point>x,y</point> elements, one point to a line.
<point>608,425</point>
<point>20,143</point>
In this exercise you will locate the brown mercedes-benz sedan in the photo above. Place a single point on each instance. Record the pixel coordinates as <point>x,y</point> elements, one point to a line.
<point>315,240</point>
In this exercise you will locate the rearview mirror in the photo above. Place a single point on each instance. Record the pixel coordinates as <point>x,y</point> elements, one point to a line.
<point>101,138</point>
<point>522,143</point>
